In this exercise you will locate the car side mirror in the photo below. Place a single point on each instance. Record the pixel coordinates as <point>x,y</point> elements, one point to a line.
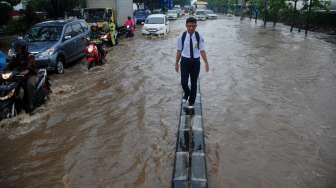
<point>86,39</point>
<point>67,37</point>
<point>20,37</point>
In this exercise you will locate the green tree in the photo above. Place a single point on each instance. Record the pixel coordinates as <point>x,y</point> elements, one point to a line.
<point>275,7</point>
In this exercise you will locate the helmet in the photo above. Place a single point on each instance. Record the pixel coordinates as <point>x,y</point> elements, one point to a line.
<point>129,17</point>
<point>20,44</point>
<point>94,25</point>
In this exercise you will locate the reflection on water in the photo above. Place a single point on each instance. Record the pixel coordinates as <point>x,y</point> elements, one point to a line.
<point>268,104</point>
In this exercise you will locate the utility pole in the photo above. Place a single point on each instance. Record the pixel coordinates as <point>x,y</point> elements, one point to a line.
<point>265,11</point>
<point>293,17</point>
<point>308,17</point>
<point>251,11</point>
<point>256,11</point>
<point>236,8</point>
<point>242,9</point>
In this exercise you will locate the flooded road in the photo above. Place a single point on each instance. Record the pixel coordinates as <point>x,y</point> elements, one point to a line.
<point>269,113</point>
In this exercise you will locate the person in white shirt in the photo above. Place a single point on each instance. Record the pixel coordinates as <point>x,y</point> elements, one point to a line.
<point>190,46</point>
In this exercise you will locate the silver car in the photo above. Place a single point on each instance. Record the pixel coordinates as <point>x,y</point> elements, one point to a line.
<point>172,14</point>
<point>201,15</point>
<point>211,15</point>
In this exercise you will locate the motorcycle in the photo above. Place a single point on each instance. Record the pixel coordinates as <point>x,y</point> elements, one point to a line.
<point>106,39</point>
<point>125,30</point>
<point>93,57</point>
<point>12,99</point>
<point>129,31</point>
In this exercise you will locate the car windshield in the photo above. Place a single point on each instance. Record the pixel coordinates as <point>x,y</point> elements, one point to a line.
<point>94,15</point>
<point>44,33</point>
<point>172,11</point>
<point>200,13</point>
<point>155,20</point>
<point>140,14</point>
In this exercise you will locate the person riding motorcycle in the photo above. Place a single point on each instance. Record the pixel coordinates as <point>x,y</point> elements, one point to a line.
<point>95,36</point>
<point>129,24</point>
<point>25,64</point>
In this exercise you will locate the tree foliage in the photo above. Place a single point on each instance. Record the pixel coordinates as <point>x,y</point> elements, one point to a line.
<point>276,9</point>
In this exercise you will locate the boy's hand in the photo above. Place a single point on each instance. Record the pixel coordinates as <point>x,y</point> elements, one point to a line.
<point>206,67</point>
<point>177,67</point>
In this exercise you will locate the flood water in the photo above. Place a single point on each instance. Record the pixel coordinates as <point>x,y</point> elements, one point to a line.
<point>269,113</point>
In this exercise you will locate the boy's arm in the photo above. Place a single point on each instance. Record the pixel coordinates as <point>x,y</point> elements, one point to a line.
<point>205,59</point>
<point>178,58</point>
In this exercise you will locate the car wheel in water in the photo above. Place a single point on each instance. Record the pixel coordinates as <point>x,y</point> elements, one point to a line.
<point>13,110</point>
<point>60,66</point>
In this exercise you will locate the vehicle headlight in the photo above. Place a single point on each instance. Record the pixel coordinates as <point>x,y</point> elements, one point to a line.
<point>6,76</point>
<point>90,49</point>
<point>10,94</point>
<point>47,53</point>
<point>11,53</point>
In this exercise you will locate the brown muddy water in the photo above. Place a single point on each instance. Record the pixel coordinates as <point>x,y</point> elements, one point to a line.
<point>269,112</point>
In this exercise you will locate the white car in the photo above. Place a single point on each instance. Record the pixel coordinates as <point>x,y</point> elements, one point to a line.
<point>211,15</point>
<point>201,15</point>
<point>172,14</point>
<point>156,24</point>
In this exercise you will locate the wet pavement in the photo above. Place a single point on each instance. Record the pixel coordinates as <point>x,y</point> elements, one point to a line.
<point>269,113</point>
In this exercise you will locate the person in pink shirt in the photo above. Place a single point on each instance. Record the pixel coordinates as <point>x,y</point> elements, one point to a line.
<point>130,22</point>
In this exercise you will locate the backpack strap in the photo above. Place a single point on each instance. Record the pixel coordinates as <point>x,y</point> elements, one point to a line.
<point>198,38</point>
<point>184,35</point>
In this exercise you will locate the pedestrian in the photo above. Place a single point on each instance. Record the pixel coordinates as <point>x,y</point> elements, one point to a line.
<point>190,46</point>
<point>113,32</point>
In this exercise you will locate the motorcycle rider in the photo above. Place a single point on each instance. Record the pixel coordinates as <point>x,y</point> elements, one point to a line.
<point>130,23</point>
<point>25,64</point>
<point>95,36</point>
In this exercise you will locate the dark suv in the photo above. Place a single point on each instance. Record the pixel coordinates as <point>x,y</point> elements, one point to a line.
<point>56,43</point>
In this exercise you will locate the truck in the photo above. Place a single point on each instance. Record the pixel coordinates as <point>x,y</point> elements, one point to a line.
<point>100,11</point>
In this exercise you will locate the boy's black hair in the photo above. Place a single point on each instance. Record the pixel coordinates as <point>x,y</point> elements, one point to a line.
<point>191,20</point>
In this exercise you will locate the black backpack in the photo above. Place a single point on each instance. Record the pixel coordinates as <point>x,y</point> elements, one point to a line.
<point>184,35</point>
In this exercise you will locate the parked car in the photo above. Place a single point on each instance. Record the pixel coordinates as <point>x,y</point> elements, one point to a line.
<point>211,15</point>
<point>141,15</point>
<point>201,15</point>
<point>56,43</point>
<point>178,9</point>
<point>156,24</point>
<point>157,11</point>
<point>172,14</point>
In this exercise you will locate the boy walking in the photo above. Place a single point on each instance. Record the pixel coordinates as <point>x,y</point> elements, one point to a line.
<point>190,46</point>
